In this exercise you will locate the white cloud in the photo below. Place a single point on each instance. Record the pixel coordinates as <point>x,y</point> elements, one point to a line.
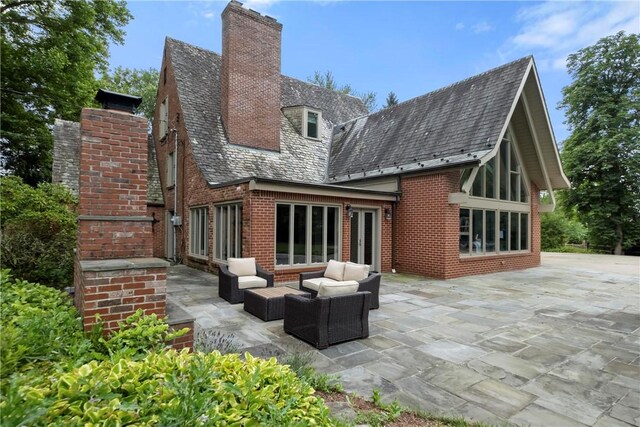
<point>459,26</point>
<point>481,27</point>
<point>552,30</point>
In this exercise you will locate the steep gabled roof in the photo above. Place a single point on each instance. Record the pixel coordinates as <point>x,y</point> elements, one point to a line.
<point>197,74</point>
<point>454,125</point>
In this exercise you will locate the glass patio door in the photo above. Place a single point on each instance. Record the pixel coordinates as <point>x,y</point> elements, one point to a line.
<point>364,239</point>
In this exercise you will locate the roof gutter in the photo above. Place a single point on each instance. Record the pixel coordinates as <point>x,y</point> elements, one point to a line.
<point>281,186</point>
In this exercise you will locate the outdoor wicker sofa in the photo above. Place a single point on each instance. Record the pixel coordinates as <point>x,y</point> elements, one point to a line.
<point>371,283</point>
<point>231,286</point>
<point>323,321</point>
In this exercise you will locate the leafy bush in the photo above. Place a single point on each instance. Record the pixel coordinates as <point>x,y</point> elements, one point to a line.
<point>52,374</point>
<point>553,234</point>
<point>37,323</point>
<point>168,388</point>
<point>38,231</point>
<point>300,363</point>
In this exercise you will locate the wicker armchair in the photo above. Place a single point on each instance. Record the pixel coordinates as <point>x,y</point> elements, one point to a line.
<point>228,283</point>
<point>323,321</point>
<point>370,284</point>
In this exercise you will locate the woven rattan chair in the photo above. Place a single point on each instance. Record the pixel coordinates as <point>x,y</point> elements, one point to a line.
<point>228,284</point>
<point>323,321</point>
<point>370,284</point>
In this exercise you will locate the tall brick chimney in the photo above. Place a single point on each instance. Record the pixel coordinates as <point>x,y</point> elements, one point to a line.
<point>250,80</point>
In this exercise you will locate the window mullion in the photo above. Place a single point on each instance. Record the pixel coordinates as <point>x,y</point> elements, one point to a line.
<point>325,223</point>
<point>291,231</point>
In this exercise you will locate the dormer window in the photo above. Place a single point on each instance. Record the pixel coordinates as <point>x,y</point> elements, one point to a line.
<point>312,124</point>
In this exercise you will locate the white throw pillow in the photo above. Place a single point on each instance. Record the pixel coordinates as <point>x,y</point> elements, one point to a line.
<point>332,289</point>
<point>242,266</point>
<point>353,271</point>
<point>335,270</point>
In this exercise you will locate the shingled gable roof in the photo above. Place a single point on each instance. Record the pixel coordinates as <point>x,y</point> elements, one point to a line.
<point>66,161</point>
<point>455,125</point>
<point>197,74</point>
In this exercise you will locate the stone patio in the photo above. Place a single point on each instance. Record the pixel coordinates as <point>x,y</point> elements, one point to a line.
<point>557,345</point>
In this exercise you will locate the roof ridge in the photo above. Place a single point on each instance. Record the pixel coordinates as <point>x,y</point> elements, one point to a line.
<point>484,73</point>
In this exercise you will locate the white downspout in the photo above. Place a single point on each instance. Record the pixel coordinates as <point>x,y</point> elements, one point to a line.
<point>175,196</point>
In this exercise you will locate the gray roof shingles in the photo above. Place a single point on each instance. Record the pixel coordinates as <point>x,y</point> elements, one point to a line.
<point>197,73</point>
<point>448,126</point>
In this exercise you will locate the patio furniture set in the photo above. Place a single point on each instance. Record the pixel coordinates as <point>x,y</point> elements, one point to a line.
<point>330,306</point>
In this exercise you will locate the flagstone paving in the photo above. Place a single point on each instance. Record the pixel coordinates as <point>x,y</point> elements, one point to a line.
<point>556,345</point>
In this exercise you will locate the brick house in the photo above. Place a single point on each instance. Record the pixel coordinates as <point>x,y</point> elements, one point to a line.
<point>254,163</point>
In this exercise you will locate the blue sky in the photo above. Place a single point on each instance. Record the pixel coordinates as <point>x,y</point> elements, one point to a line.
<point>410,48</point>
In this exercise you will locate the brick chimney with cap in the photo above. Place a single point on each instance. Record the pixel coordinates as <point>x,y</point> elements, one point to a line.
<point>250,79</point>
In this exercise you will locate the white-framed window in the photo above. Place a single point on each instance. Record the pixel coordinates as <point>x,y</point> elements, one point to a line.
<point>306,234</point>
<point>199,232</point>
<point>490,231</point>
<point>312,120</point>
<point>496,218</point>
<point>163,125</point>
<point>228,231</point>
<point>171,169</point>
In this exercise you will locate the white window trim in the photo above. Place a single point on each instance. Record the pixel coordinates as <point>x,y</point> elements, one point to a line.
<point>238,231</point>
<point>163,126</point>
<point>195,230</point>
<point>305,121</point>
<point>171,169</point>
<point>498,205</point>
<point>308,234</point>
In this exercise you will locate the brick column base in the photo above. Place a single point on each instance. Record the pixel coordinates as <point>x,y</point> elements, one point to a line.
<point>117,288</point>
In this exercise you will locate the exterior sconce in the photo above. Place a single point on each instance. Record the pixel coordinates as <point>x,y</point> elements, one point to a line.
<point>349,211</point>
<point>387,213</point>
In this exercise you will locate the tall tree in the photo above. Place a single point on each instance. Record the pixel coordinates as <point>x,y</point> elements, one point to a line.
<point>602,154</point>
<point>327,81</point>
<point>133,81</point>
<point>50,51</point>
<point>392,100</point>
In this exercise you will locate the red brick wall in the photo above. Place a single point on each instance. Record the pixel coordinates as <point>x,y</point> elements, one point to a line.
<point>158,229</point>
<point>428,232</point>
<point>250,78</point>
<point>185,341</point>
<point>117,294</point>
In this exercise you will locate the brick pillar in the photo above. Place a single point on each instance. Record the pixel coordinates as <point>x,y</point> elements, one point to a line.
<point>116,273</point>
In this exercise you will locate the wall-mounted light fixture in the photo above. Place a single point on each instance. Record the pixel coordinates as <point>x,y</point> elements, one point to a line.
<point>387,213</point>
<point>349,211</point>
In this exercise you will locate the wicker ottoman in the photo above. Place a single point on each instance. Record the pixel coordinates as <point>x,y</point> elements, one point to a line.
<point>267,303</point>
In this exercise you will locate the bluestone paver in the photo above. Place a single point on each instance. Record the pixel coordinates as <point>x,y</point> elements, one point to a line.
<point>556,345</point>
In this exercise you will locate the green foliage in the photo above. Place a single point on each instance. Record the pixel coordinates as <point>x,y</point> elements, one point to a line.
<point>53,375</point>
<point>143,83</point>
<point>168,388</point>
<point>386,413</point>
<point>602,156</point>
<point>37,324</point>
<point>300,363</point>
<point>391,100</point>
<point>38,231</point>
<point>210,340</point>
<point>139,334</point>
<point>327,81</point>
<point>50,51</point>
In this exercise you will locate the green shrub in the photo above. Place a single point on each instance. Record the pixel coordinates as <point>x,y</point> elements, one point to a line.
<point>38,231</point>
<point>553,230</point>
<point>168,388</point>
<point>37,324</point>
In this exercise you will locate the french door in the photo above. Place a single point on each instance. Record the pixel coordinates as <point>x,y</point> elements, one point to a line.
<point>364,238</point>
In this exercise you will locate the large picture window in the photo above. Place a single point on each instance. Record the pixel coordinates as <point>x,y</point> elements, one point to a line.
<point>228,231</point>
<point>496,217</point>
<point>480,229</point>
<point>306,234</point>
<point>199,232</point>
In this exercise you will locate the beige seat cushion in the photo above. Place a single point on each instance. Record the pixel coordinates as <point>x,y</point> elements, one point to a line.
<point>332,289</point>
<point>335,270</point>
<point>242,266</point>
<point>353,271</point>
<point>248,282</point>
<point>315,283</point>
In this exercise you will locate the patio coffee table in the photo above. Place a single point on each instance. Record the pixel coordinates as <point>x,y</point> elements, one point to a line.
<point>268,303</point>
